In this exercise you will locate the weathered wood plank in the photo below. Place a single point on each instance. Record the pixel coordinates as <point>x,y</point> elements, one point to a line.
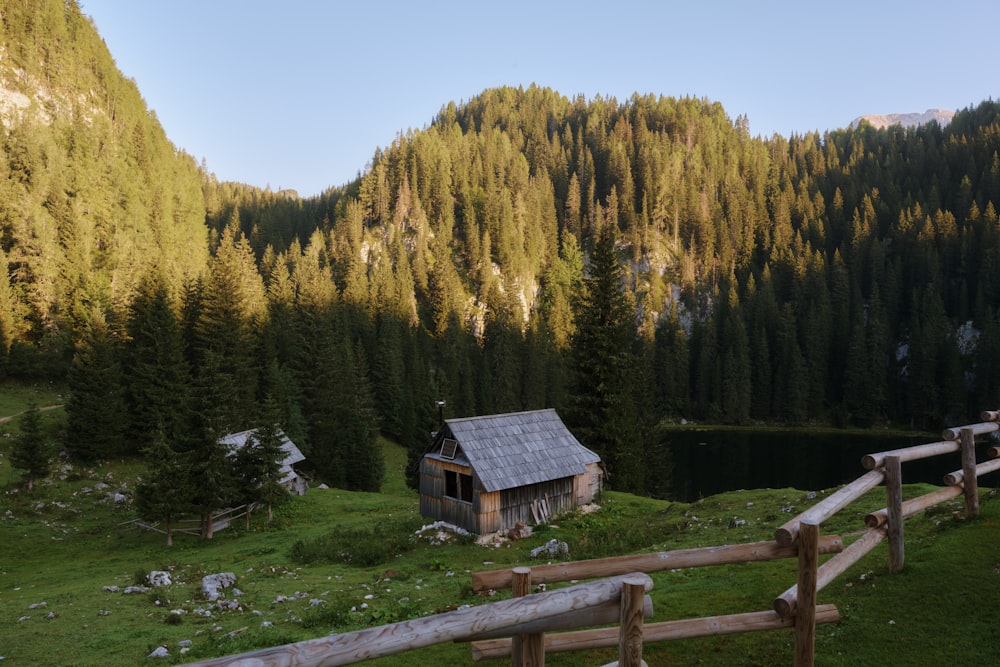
<point>823,510</point>
<point>894,513</point>
<point>970,482</point>
<point>658,632</point>
<point>654,562</point>
<point>805,617</point>
<point>914,505</point>
<point>976,429</point>
<point>603,614</point>
<point>352,647</point>
<point>785,603</point>
<point>630,625</point>
<point>957,476</point>
<point>872,461</point>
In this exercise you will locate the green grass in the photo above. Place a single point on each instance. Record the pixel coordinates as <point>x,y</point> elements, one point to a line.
<point>62,544</point>
<point>15,398</point>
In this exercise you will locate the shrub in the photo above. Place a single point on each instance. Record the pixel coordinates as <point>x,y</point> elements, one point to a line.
<point>361,547</point>
<point>606,533</point>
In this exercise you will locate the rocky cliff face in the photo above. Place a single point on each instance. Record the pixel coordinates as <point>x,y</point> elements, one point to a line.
<point>879,121</point>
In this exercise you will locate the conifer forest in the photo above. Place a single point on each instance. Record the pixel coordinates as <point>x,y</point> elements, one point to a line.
<point>630,263</point>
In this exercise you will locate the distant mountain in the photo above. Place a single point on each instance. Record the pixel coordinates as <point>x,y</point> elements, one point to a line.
<point>880,121</point>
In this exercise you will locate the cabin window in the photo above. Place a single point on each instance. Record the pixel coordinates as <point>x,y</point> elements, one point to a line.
<point>458,486</point>
<point>449,448</point>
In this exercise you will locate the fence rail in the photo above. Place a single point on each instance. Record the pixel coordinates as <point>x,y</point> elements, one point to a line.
<point>220,520</point>
<point>458,625</point>
<point>524,627</point>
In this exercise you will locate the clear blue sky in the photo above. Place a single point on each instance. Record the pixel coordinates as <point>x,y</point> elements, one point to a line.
<point>300,93</point>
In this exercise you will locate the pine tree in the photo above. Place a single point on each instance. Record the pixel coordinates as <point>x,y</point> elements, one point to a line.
<point>157,372</point>
<point>212,477</point>
<point>31,452</point>
<point>7,317</point>
<point>658,467</point>
<point>358,426</point>
<point>96,415</point>
<point>857,380</point>
<point>227,333</point>
<point>164,492</point>
<point>736,387</point>
<point>500,381</point>
<point>705,377</point>
<point>388,375</point>
<point>420,416</point>
<point>602,407</point>
<point>926,342</point>
<point>673,363</point>
<point>453,380</point>
<point>257,465</point>
<point>317,367</point>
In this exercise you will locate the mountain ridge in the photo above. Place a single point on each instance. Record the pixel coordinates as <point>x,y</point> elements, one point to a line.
<point>882,121</point>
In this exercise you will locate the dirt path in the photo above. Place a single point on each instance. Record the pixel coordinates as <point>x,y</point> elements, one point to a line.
<point>43,408</point>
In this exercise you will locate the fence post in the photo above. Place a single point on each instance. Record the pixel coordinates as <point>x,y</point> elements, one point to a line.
<point>970,481</point>
<point>525,650</point>
<point>894,512</point>
<point>630,623</point>
<point>805,613</point>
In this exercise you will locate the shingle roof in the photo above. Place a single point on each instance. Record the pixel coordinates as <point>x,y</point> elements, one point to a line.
<point>520,448</point>
<point>292,453</point>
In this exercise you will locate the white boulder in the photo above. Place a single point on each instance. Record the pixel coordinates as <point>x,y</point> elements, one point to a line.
<point>158,578</point>
<point>212,585</point>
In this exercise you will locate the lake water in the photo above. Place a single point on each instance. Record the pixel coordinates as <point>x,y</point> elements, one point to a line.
<point>707,462</point>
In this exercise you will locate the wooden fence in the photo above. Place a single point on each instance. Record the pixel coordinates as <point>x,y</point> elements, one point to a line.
<point>220,521</point>
<point>528,626</point>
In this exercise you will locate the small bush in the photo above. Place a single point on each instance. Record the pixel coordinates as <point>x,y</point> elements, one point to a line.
<point>361,547</point>
<point>343,614</point>
<point>606,533</point>
<point>335,615</point>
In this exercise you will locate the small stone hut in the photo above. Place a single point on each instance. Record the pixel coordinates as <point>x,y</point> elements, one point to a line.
<point>485,474</point>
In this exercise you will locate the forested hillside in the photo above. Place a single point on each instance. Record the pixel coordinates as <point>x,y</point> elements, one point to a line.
<point>92,194</point>
<point>624,261</point>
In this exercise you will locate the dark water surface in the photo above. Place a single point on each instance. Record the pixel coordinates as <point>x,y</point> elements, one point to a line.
<point>707,462</point>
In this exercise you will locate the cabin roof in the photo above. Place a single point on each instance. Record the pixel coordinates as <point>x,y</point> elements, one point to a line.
<point>293,455</point>
<point>516,449</point>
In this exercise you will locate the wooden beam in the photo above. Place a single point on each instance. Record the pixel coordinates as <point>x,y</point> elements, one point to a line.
<point>654,562</point>
<point>784,604</point>
<point>526,649</point>
<point>914,505</point>
<point>805,616</point>
<point>970,482</point>
<point>894,512</point>
<point>872,461</point>
<point>352,647</point>
<point>976,429</point>
<point>607,613</point>
<point>658,632</point>
<point>957,476</point>
<point>785,535</point>
<point>630,624</point>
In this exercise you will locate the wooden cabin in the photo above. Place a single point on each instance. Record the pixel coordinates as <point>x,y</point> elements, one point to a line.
<point>485,474</point>
<point>290,478</point>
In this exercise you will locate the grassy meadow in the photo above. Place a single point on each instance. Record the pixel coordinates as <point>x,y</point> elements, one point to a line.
<point>335,561</point>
